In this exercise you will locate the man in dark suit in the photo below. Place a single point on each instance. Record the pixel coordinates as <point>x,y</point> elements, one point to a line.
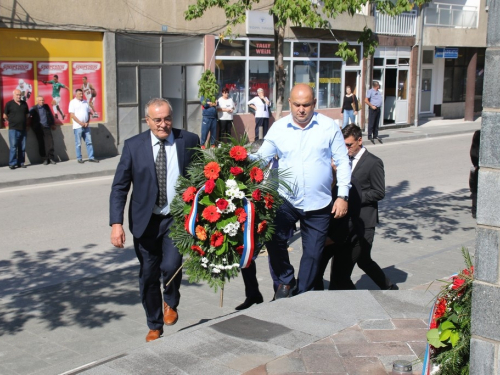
<point>152,161</point>
<point>42,122</point>
<point>368,188</point>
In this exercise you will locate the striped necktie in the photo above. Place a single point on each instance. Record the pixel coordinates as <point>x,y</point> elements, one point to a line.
<point>161,175</point>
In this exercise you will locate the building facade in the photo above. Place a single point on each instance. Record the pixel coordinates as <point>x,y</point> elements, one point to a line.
<point>131,52</point>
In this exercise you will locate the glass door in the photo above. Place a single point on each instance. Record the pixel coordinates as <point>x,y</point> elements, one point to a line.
<point>402,97</point>
<point>426,93</point>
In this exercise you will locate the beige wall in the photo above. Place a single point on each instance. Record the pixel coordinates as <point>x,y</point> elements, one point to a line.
<point>452,37</point>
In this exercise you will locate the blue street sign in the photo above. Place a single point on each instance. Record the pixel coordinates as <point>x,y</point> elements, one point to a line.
<point>446,53</point>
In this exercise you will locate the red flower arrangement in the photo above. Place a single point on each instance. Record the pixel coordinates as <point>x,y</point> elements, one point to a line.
<point>238,153</point>
<point>189,194</point>
<point>212,170</point>
<point>223,185</point>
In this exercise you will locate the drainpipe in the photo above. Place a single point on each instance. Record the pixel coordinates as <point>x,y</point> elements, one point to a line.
<point>420,44</point>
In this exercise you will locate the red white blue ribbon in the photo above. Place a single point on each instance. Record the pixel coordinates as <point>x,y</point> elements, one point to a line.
<point>190,223</point>
<point>248,234</point>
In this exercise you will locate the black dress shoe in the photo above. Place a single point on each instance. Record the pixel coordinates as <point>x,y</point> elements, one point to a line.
<point>373,141</point>
<point>12,166</point>
<point>393,287</point>
<point>249,302</point>
<point>284,291</point>
<point>378,139</point>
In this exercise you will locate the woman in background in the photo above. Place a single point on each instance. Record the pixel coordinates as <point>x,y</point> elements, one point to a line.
<point>261,105</point>
<point>349,107</point>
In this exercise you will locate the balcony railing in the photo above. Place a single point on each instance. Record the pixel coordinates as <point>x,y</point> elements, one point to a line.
<point>450,15</point>
<point>404,25</point>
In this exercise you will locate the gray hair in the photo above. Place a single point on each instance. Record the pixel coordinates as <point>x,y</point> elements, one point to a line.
<point>157,102</point>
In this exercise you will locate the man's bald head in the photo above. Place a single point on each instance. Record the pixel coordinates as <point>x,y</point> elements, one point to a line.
<point>302,103</point>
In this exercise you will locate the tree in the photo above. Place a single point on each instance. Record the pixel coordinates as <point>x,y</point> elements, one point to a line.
<point>304,13</point>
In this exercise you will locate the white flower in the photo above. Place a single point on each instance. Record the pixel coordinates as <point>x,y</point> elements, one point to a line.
<point>215,270</point>
<point>204,260</point>
<point>204,265</point>
<point>239,195</point>
<point>232,184</point>
<point>236,265</point>
<point>224,260</point>
<point>231,207</point>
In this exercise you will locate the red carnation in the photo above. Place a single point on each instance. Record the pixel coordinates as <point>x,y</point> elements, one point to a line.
<point>257,195</point>
<point>236,171</point>
<point>269,201</point>
<point>262,226</point>
<point>189,194</point>
<point>210,214</point>
<point>457,283</point>
<point>440,309</point>
<point>198,250</point>
<point>221,204</point>
<point>217,239</point>
<point>239,249</point>
<point>241,214</point>
<point>256,174</point>
<point>202,147</point>
<point>209,186</point>
<point>212,170</point>
<point>238,153</point>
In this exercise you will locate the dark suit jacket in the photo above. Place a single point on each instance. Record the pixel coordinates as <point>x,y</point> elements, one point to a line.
<point>367,188</point>
<point>35,116</point>
<point>137,167</point>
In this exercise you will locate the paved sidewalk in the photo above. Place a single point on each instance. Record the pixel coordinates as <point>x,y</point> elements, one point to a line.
<point>71,170</point>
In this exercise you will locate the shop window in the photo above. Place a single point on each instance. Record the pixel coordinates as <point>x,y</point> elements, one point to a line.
<point>149,87</point>
<point>404,62</point>
<point>134,48</point>
<point>127,83</point>
<point>182,49</point>
<point>231,75</point>
<point>287,49</point>
<point>304,72</point>
<point>286,96</point>
<point>328,50</point>
<point>390,62</point>
<point>262,48</point>
<point>230,48</point>
<point>330,82</point>
<point>377,61</point>
<point>261,75</point>
<point>305,49</point>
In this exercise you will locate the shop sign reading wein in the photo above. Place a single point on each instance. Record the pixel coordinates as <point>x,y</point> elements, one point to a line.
<point>261,48</point>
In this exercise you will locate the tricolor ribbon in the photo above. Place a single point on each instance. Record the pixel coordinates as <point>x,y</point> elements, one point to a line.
<point>248,234</point>
<point>190,223</point>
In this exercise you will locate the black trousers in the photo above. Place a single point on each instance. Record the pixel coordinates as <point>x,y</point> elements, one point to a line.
<point>48,140</point>
<point>225,130</point>
<point>373,122</point>
<point>158,258</point>
<point>38,130</point>
<point>356,250</point>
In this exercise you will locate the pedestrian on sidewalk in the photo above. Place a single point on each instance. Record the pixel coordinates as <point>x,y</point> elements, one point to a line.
<point>374,99</point>
<point>353,235</point>
<point>79,111</point>
<point>152,162</point>
<point>208,121</point>
<point>305,142</point>
<point>42,121</point>
<point>16,112</point>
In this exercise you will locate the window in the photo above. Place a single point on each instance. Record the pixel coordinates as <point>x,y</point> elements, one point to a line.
<point>230,74</point>
<point>428,57</point>
<point>245,70</point>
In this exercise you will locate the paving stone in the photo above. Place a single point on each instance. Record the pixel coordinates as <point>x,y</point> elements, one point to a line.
<point>286,365</point>
<point>321,358</point>
<point>364,365</point>
<point>418,348</point>
<point>377,324</point>
<point>249,328</point>
<point>143,363</point>
<point>397,335</point>
<point>409,323</point>
<point>373,349</point>
<point>404,303</point>
<point>261,370</point>
<point>23,363</point>
<point>388,361</point>
<point>349,336</point>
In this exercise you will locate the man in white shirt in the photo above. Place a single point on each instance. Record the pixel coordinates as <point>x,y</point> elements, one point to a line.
<point>79,112</point>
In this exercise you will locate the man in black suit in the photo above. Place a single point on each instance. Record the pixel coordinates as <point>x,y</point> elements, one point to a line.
<point>42,123</point>
<point>353,235</point>
<point>152,161</point>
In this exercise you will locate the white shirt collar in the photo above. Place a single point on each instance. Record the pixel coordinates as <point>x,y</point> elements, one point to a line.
<point>169,139</point>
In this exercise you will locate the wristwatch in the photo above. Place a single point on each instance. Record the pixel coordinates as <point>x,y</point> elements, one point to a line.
<point>344,197</point>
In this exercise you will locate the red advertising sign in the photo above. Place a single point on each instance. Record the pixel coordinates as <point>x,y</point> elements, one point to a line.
<point>87,76</point>
<point>53,85</point>
<point>16,75</point>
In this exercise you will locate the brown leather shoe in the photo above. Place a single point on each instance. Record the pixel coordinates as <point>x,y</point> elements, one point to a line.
<point>170,316</point>
<point>154,334</point>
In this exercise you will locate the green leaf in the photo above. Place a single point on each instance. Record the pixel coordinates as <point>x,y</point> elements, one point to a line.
<point>446,325</point>
<point>433,338</point>
<point>220,187</point>
<point>222,249</point>
<point>454,318</point>
<point>445,335</point>
<point>241,186</point>
<point>454,338</point>
<point>186,210</point>
<point>206,201</point>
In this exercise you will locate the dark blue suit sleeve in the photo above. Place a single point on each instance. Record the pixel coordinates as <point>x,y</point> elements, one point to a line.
<point>120,187</point>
